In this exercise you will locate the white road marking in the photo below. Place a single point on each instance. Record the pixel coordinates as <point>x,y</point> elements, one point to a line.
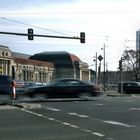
<point>85,116</point>
<point>98,134</point>
<point>118,123</point>
<point>65,123</point>
<point>51,119</point>
<point>86,130</point>
<point>99,104</point>
<point>79,115</point>
<point>74,126</point>
<point>53,109</point>
<point>134,109</point>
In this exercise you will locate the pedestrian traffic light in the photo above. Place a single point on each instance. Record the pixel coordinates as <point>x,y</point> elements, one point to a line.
<point>30,34</point>
<point>82,37</point>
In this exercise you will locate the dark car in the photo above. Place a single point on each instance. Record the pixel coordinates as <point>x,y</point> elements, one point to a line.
<point>129,87</point>
<point>65,88</point>
<point>6,83</point>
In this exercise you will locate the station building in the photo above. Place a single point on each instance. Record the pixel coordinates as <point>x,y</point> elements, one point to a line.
<point>43,67</point>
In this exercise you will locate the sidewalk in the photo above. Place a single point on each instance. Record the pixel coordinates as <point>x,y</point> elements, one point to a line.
<point>114,93</point>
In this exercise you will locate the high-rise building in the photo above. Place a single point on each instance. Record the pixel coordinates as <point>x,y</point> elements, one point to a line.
<point>138,49</point>
<point>138,40</point>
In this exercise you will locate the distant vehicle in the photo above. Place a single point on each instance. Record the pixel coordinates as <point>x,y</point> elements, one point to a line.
<point>65,88</point>
<point>6,83</point>
<point>129,87</point>
<point>21,86</point>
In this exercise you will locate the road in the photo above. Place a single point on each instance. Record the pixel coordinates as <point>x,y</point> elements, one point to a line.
<point>103,118</point>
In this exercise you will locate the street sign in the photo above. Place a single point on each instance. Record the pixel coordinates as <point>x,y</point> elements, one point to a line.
<point>100,58</point>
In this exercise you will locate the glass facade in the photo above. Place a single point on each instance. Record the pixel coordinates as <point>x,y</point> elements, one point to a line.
<point>138,40</point>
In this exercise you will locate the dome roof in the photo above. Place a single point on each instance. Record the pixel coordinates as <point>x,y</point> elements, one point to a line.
<point>55,56</point>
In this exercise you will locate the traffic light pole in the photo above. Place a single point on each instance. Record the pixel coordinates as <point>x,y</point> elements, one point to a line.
<point>81,38</point>
<point>121,74</point>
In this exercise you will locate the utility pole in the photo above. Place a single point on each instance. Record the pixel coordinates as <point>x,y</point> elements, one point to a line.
<point>121,74</point>
<point>104,73</point>
<point>104,76</point>
<point>96,76</point>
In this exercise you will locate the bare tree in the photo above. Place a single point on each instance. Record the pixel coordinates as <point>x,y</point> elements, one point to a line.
<point>131,61</point>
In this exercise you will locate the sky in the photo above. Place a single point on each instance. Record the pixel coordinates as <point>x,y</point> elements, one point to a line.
<point>112,23</point>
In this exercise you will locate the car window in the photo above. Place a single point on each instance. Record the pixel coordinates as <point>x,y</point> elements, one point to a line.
<point>128,84</point>
<point>135,85</point>
<point>60,83</point>
<point>73,83</point>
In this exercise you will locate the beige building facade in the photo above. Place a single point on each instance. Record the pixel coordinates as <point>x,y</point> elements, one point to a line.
<point>6,61</point>
<point>23,69</point>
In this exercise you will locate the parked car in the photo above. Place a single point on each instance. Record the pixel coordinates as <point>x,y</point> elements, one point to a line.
<point>65,88</point>
<point>6,83</point>
<point>129,87</point>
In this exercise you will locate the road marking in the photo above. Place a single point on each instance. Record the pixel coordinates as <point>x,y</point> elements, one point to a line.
<point>79,115</point>
<point>64,123</point>
<point>86,130</point>
<point>53,109</point>
<point>98,134</point>
<point>134,109</point>
<point>85,116</point>
<point>51,119</point>
<point>74,126</point>
<point>99,104</point>
<point>118,123</point>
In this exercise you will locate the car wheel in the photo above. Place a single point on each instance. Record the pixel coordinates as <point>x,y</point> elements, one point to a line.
<point>85,96</point>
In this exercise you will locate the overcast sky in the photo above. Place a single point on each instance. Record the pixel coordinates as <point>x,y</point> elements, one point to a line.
<point>113,22</point>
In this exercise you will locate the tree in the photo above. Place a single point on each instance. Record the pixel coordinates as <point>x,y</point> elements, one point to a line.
<point>131,62</point>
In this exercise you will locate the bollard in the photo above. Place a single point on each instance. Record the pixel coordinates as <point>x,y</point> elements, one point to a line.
<point>13,94</point>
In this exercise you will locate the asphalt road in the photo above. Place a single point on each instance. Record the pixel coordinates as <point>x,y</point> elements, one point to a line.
<point>103,118</point>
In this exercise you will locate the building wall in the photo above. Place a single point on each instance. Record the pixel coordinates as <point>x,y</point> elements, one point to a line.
<point>34,71</point>
<point>23,69</point>
<point>138,49</point>
<point>6,61</point>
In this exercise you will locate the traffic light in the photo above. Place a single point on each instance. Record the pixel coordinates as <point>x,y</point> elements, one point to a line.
<point>82,37</point>
<point>30,34</point>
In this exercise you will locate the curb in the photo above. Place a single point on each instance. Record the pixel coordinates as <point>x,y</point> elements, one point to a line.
<point>27,105</point>
<point>116,95</point>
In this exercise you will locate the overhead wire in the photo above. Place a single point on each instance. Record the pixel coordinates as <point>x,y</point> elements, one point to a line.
<point>19,22</point>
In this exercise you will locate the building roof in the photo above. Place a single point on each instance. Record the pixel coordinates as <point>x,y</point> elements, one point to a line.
<point>33,62</point>
<point>20,55</point>
<point>55,56</point>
